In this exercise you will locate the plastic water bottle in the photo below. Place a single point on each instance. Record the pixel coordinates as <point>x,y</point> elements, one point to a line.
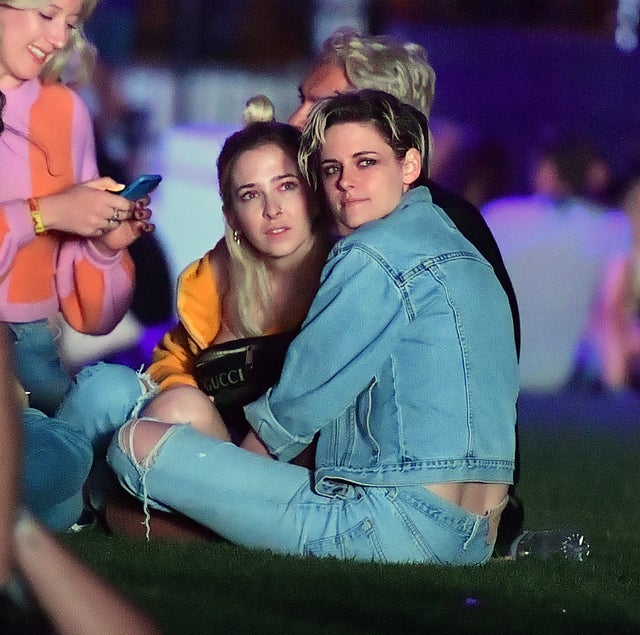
<point>571,545</point>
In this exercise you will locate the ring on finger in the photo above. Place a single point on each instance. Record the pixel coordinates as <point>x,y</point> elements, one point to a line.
<point>116,215</point>
<point>111,222</point>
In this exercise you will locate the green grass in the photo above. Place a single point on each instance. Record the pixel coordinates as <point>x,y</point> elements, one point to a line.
<point>587,479</point>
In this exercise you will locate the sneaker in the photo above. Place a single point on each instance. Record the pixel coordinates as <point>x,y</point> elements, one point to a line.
<point>86,520</point>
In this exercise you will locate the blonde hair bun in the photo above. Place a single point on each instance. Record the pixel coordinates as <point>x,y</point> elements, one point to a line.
<point>258,108</point>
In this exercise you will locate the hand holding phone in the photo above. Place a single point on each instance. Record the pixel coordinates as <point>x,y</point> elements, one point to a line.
<point>141,186</point>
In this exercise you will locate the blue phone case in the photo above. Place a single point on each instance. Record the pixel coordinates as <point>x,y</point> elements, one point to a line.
<point>141,186</point>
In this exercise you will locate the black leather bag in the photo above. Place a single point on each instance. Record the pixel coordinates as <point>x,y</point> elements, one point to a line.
<point>238,372</point>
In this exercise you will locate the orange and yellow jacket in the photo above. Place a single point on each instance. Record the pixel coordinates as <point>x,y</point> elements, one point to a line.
<point>199,308</point>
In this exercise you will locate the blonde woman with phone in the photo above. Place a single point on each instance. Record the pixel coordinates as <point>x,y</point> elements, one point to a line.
<point>64,234</point>
<point>63,246</point>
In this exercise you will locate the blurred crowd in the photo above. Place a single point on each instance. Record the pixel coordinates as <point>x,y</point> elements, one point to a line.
<point>566,244</point>
<point>576,273</point>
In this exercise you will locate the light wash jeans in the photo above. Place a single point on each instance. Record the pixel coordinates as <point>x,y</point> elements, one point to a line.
<point>56,463</point>
<point>102,398</point>
<point>258,502</point>
<point>38,364</point>
<point>59,451</point>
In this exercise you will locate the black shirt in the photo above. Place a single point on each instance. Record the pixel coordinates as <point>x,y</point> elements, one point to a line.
<point>468,219</point>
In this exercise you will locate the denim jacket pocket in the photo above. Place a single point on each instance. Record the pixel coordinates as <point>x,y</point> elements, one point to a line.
<point>351,427</point>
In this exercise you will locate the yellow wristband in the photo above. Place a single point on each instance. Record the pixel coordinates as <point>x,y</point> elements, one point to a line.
<point>34,208</point>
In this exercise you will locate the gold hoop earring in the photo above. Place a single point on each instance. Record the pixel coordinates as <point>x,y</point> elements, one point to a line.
<point>236,236</point>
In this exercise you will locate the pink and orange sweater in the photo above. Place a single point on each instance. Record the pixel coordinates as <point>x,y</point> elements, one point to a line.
<point>41,275</point>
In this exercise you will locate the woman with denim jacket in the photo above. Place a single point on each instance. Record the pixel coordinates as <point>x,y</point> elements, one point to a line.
<point>405,370</point>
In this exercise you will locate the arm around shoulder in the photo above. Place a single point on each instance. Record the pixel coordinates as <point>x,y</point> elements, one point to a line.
<point>328,364</point>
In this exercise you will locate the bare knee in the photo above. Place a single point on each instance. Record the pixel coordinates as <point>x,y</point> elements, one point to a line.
<point>169,405</point>
<point>188,404</point>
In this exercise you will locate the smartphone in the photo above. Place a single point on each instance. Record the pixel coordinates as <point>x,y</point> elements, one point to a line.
<point>141,186</point>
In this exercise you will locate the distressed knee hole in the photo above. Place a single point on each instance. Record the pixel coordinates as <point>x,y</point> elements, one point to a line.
<point>139,437</point>
<point>148,387</point>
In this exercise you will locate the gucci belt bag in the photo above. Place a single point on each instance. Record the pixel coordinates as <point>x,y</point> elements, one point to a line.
<point>238,372</point>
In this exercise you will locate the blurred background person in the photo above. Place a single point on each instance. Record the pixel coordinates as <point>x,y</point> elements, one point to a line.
<point>611,359</point>
<point>123,135</point>
<point>557,243</point>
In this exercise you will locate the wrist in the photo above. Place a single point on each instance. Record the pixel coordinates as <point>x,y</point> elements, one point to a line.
<point>36,216</point>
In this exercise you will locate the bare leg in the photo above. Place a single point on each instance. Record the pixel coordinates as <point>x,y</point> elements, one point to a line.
<point>9,454</point>
<point>188,404</point>
<point>75,599</point>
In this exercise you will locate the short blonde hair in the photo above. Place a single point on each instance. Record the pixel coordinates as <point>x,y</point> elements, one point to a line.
<point>78,45</point>
<point>400,125</point>
<point>379,62</point>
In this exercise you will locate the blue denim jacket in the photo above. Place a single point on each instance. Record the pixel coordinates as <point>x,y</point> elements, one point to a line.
<point>405,364</point>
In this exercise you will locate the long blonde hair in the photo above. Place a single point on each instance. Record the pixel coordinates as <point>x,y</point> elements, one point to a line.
<point>253,312</point>
<point>400,125</point>
<point>78,49</point>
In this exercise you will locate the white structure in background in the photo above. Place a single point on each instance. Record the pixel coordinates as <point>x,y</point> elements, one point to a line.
<point>627,25</point>
<point>187,209</point>
<point>331,14</point>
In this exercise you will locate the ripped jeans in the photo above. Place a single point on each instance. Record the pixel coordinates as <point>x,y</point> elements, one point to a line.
<point>258,502</point>
<point>38,364</point>
<point>102,398</point>
<point>59,451</point>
